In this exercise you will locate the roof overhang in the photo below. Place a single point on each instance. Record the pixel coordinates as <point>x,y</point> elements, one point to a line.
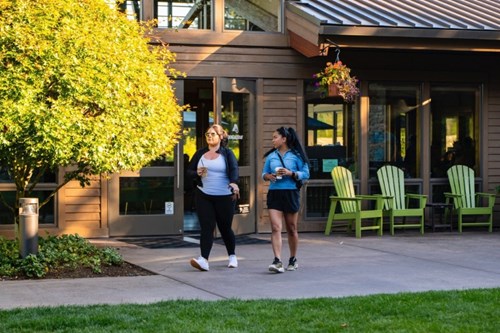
<point>308,35</point>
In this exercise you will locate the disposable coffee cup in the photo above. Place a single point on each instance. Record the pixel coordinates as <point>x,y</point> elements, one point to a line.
<point>278,176</point>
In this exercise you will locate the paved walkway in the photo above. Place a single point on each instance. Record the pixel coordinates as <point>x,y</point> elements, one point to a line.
<point>330,266</point>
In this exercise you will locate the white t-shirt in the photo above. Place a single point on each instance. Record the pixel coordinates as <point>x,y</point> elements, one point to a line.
<point>216,182</point>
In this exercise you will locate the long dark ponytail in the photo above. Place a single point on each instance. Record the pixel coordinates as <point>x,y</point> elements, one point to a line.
<point>292,141</point>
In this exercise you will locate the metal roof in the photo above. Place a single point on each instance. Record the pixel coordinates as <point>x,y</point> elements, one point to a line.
<point>472,15</point>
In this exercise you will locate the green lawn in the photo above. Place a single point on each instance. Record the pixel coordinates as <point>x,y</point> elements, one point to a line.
<point>438,311</point>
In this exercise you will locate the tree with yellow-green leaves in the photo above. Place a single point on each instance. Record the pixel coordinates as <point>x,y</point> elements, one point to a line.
<point>81,87</point>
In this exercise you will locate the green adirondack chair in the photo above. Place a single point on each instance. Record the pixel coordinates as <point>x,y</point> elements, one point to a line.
<point>351,205</point>
<point>465,200</point>
<point>397,202</point>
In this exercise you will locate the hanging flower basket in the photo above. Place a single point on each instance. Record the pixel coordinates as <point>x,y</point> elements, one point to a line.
<point>336,77</point>
<point>333,90</point>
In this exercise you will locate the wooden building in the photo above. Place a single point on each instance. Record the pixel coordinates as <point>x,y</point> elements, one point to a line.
<point>429,76</point>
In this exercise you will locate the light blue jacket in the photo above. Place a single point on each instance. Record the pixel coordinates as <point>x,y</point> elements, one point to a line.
<point>292,162</point>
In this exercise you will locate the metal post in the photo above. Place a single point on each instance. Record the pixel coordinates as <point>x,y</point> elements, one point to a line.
<point>28,226</point>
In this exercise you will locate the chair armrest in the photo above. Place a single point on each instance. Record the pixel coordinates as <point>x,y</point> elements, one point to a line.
<point>491,198</point>
<point>416,196</point>
<point>484,194</point>
<point>334,197</point>
<point>373,197</point>
<point>421,198</point>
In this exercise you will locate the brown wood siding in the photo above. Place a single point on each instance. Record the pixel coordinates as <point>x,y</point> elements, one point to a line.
<point>80,209</point>
<point>279,105</point>
<point>258,62</point>
<point>493,144</point>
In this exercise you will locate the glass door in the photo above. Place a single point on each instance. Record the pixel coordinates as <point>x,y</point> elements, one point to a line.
<point>146,203</point>
<point>159,200</point>
<point>233,102</point>
<point>236,104</point>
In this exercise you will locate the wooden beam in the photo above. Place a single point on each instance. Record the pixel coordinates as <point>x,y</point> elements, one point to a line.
<point>303,46</point>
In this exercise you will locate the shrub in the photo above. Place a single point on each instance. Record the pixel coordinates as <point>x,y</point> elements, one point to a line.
<point>55,253</point>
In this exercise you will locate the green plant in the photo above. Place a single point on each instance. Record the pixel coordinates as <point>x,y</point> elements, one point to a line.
<point>340,75</point>
<point>55,253</point>
<point>110,256</point>
<point>33,266</point>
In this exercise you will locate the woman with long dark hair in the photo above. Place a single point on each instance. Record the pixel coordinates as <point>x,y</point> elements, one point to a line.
<point>216,170</point>
<point>286,165</point>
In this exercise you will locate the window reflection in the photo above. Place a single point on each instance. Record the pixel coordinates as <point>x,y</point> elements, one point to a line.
<point>393,137</point>
<point>45,215</point>
<point>132,8</point>
<point>454,138</point>
<point>234,116</point>
<point>253,15</point>
<point>145,195</point>
<point>330,138</point>
<point>180,14</point>
<point>184,14</point>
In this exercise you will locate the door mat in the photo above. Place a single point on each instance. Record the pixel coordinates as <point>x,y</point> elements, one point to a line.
<point>170,242</point>
<point>159,242</point>
<point>244,240</point>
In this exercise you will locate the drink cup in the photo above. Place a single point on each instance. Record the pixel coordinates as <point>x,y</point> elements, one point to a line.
<point>278,175</point>
<point>204,171</point>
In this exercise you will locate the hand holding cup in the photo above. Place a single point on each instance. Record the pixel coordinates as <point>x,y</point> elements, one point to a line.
<point>279,174</point>
<point>202,171</point>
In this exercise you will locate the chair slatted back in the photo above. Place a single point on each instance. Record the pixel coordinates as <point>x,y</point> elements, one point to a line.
<point>342,180</point>
<point>392,183</point>
<point>461,179</point>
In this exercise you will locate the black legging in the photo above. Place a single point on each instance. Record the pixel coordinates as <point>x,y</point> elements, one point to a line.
<point>213,209</point>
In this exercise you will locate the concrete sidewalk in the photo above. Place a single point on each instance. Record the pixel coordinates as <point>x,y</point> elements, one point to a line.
<point>329,266</point>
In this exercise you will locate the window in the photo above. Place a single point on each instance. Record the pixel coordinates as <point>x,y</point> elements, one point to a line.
<point>8,193</point>
<point>145,195</point>
<point>328,144</point>
<point>183,14</point>
<point>132,8</point>
<point>235,111</point>
<point>253,15</point>
<point>454,123</point>
<point>392,127</point>
<point>330,140</point>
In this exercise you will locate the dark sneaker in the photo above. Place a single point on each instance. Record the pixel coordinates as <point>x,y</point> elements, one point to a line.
<point>276,266</point>
<point>292,264</point>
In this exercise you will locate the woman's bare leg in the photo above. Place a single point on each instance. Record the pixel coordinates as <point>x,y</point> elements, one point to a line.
<point>276,218</point>
<point>291,220</point>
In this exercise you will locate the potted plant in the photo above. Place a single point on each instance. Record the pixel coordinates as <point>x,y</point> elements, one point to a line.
<point>335,78</point>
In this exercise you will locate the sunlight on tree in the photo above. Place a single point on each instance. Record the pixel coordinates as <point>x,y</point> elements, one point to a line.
<point>81,86</point>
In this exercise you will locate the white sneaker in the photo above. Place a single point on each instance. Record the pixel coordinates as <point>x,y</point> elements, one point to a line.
<point>200,263</point>
<point>233,261</point>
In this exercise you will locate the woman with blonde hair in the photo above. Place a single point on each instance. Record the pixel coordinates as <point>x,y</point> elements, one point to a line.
<point>216,170</point>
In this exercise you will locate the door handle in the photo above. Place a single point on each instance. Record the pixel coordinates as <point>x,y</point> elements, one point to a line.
<point>178,162</point>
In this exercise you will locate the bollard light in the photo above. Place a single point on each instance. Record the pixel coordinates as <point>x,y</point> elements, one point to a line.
<point>28,226</point>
